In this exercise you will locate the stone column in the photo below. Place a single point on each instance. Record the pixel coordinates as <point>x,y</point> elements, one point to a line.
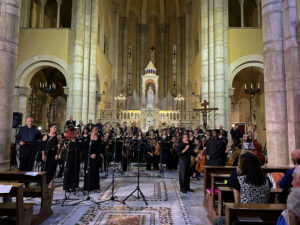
<point>204,48</point>
<point>115,61</point>
<point>242,13</point>
<point>58,13</point>
<point>274,81</point>
<point>86,60</point>
<point>161,61</point>
<point>22,96</point>
<point>25,13</point>
<point>229,121</point>
<point>189,54</point>
<point>143,28</point>
<point>211,63</point>
<point>258,3</point>
<point>125,56</point>
<point>219,62</point>
<point>93,61</point>
<point>42,15</point>
<point>166,49</point>
<point>179,76</point>
<point>9,36</point>
<point>78,16</point>
<point>292,72</point>
<point>227,125</point>
<point>138,40</point>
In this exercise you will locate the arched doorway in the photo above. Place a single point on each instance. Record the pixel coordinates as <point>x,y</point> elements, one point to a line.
<point>47,101</point>
<point>254,118</point>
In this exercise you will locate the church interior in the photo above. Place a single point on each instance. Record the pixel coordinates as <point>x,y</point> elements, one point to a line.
<point>115,86</point>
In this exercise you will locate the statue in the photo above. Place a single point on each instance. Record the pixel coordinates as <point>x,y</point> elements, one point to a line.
<point>150,98</point>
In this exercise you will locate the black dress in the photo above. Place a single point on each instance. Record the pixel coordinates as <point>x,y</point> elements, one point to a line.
<point>50,153</point>
<point>72,165</point>
<point>164,148</point>
<point>91,166</point>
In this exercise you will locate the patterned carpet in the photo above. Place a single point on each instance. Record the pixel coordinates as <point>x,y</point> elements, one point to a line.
<point>166,205</point>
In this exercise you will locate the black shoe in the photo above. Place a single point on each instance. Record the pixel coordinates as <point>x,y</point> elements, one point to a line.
<point>190,190</point>
<point>183,191</point>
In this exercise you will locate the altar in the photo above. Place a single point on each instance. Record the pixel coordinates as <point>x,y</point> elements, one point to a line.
<point>150,110</point>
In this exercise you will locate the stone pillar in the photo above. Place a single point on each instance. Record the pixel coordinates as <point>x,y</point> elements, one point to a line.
<point>166,49</point>
<point>258,3</point>
<point>143,28</point>
<point>93,62</point>
<point>22,96</point>
<point>86,60</point>
<point>25,13</point>
<point>219,62</point>
<point>42,15</point>
<point>78,16</point>
<point>9,36</point>
<point>204,48</point>
<point>292,73</point>
<point>211,62</point>
<point>274,81</point>
<point>242,13</point>
<point>229,121</point>
<point>179,76</point>
<point>125,56</point>
<point>227,125</point>
<point>189,55</point>
<point>116,60</point>
<point>161,61</point>
<point>58,13</point>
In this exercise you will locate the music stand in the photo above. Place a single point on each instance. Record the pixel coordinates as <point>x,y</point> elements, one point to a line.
<point>137,189</point>
<point>113,196</point>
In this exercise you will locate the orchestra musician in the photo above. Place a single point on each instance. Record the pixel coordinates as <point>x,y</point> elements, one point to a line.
<point>172,162</point>
<point>50,154</point>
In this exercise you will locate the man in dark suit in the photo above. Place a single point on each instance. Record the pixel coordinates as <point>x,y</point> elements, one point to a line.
<point>71,121</point>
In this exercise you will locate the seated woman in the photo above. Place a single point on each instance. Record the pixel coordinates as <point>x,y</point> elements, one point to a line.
<point>251,184</point>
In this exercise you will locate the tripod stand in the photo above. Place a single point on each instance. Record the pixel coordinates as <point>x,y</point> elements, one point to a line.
<point>74,181</point>
<point>113,196</point>
<point>138,189</point>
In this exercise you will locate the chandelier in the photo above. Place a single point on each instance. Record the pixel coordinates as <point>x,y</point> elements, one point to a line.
<point>47,87</point>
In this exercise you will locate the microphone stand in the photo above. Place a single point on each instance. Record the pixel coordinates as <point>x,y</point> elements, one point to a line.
<point>113,196</point>
<point>137,189</point>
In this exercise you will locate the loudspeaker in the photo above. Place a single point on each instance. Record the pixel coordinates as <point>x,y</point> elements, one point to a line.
<point>17,119</point>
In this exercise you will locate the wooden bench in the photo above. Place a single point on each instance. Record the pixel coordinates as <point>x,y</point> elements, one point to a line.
<point>20,210</point>
<point>268,213</point>
<point>225,194</point>
<point>42,192</point>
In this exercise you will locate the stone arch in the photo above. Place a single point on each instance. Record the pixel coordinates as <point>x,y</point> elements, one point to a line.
<point>242,63</point>
<point>29,67</point>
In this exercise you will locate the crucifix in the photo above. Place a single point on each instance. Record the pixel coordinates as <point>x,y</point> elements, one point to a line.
<point>204,111</point>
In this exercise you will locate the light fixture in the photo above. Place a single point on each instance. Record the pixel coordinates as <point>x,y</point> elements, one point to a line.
<point>47,87</point>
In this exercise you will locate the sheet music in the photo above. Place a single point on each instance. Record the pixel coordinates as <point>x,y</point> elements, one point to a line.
<point>30,173</point>
<point>5,188</point>
<point>250,219</point>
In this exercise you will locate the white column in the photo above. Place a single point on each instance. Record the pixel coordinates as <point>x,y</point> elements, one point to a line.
<point>58,13</point>
<point>219,62</point>
<point>204,49</point>
<point>274,81</point>
<point>42,15</point>
<point>292,72</point>
<point>77,58</point>
<point>242,13</point>
<point>93,62</point>
<point>258,3</point>
<point>211,61</point>
<point>9,36</point>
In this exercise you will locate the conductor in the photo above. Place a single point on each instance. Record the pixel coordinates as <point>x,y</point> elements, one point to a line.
<point>184,153</point>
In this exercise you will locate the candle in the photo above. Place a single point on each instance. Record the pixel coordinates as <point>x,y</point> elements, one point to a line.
<point>40,84</point>
<point>251,86</point>
<point>258,85</point>
<point>245,86</point>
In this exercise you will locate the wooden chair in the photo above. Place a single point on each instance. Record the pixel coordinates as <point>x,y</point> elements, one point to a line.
<point>20,210</point>
<point>42,192</point>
